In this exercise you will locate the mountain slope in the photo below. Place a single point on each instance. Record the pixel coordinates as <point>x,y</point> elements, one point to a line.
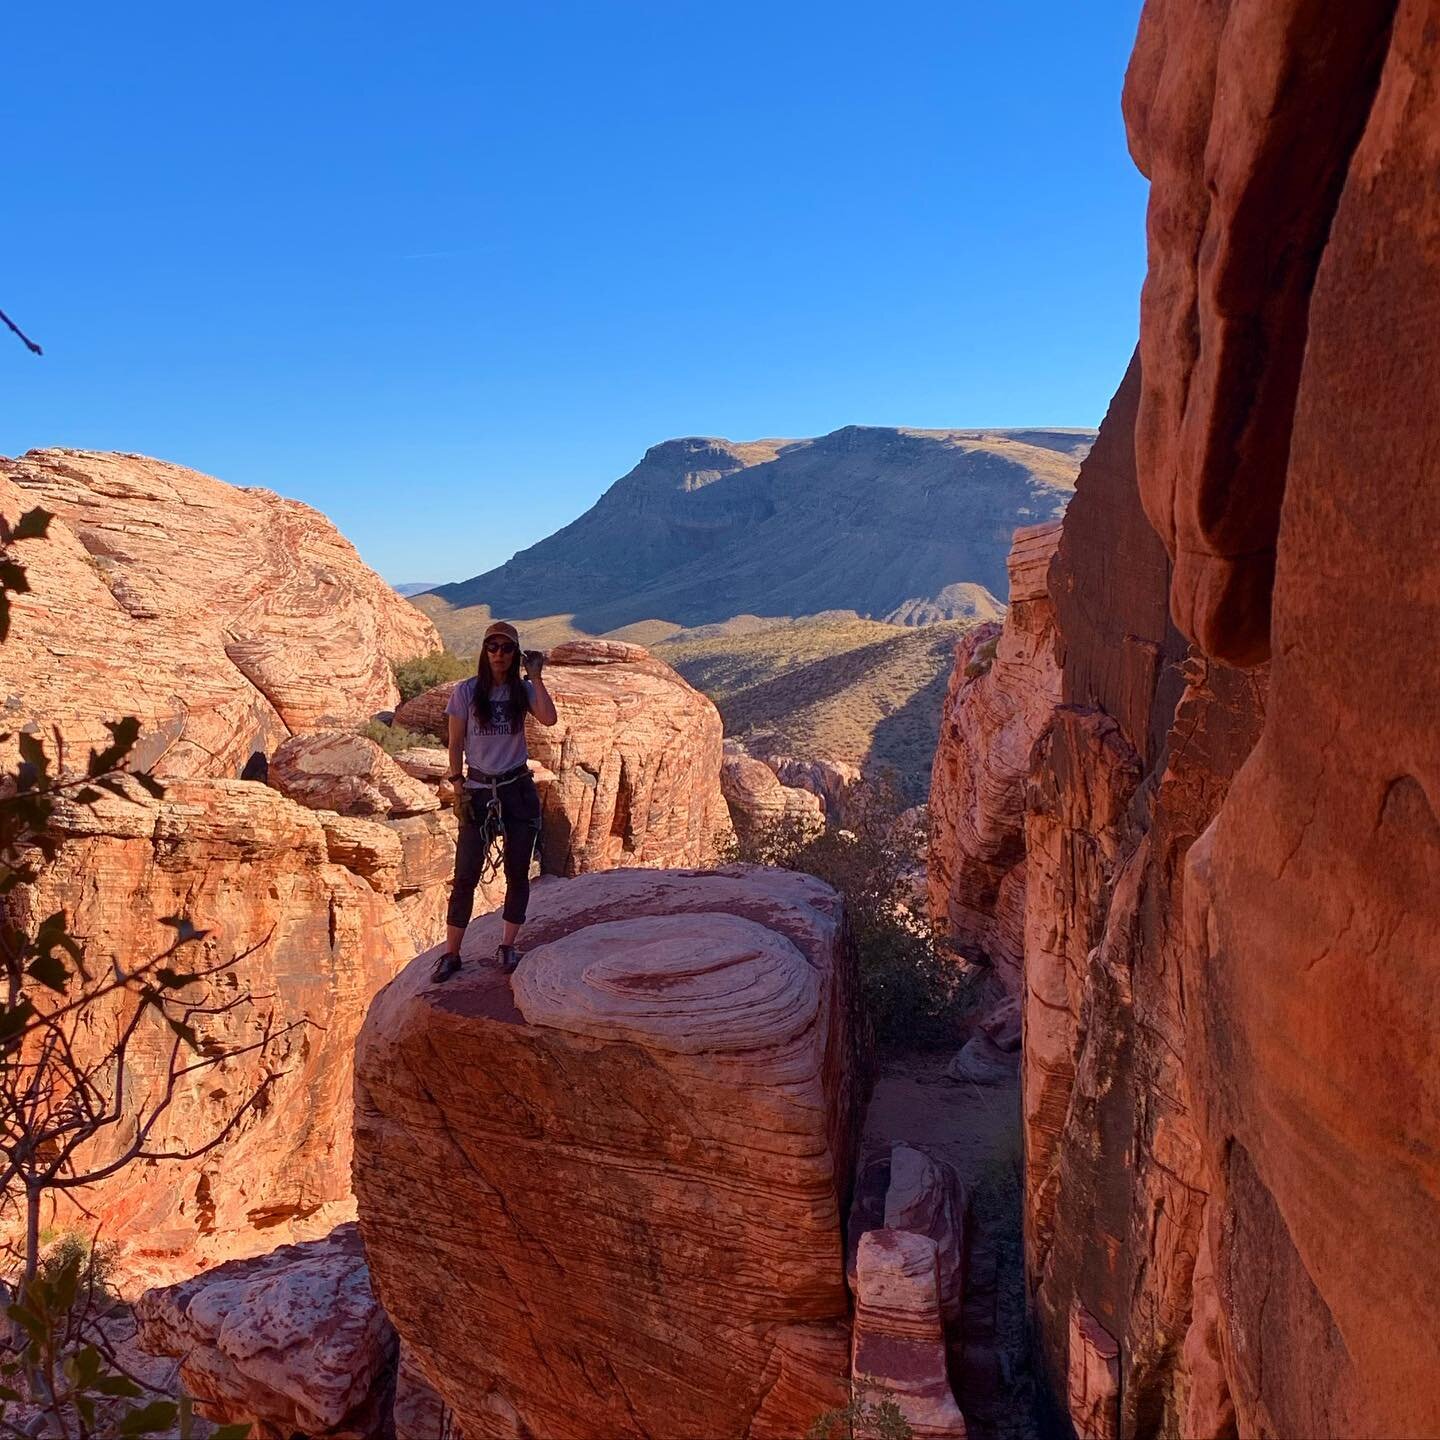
<point>909,524</point>
<point>828,688</point>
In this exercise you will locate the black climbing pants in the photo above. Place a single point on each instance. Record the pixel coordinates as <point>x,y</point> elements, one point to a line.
<point>520,825</point>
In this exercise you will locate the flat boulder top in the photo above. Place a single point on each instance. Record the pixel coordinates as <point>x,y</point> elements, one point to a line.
<point>590,941</point>
<point>675,982</point>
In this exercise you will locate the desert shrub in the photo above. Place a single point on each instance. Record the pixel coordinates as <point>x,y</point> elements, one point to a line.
<point>983,659</point>
<point>94,1261</point>
<point>914,995</point>
<point>413,676</point>
<point>861,1421</point>
<point>392,739</point>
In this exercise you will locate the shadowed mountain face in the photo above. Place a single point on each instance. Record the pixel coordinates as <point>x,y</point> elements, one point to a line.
<point>909,525</point>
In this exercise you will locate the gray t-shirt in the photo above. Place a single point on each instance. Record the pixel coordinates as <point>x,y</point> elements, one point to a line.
<point>491,748</point>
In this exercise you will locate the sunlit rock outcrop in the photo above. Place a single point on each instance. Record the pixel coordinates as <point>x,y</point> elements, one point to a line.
<point>1003,690</point>
<point>644,1140</point>
<point>629,774</point>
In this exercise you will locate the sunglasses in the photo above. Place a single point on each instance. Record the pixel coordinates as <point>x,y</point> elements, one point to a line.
<point>500,647</point>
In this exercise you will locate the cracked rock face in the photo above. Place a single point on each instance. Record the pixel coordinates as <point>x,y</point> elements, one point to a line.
<point>644,1140</point>
<point>292,1341</point>
<point>1003,690</point>
<point>224,619</point>
<point>315,904</point>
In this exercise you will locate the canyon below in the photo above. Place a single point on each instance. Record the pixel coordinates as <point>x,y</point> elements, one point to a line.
<point>1158,702</point>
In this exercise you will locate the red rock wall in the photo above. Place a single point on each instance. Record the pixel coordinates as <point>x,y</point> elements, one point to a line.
<point>319,928</point>
<point>1233,875</point>
<point>1315,914</point>
<point>1133,767</point>
<point>995,710</point>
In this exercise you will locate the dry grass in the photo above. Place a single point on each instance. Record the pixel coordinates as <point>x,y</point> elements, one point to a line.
<point>822,687</point>
<point>833,689</point>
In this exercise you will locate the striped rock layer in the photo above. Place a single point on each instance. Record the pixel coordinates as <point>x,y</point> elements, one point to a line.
<point>603,1196</point>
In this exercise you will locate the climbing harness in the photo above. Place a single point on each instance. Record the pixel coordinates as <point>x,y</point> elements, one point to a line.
<point>490,820</point>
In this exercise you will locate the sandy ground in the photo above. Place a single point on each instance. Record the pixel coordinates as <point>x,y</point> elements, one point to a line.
<point>976,1129</point>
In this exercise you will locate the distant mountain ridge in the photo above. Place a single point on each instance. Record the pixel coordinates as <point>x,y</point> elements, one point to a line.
<point>907,525</point>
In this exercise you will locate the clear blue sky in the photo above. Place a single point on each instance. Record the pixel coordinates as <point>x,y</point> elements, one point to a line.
<point>446,270</point>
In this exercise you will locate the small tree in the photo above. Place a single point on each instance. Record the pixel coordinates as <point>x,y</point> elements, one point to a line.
<point>412,677</point>
<point>914,995</point>
<point>862,1420</point>
<point>58,1374</point>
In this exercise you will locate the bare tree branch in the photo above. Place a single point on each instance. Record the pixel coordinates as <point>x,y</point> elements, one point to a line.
<point>29,344</point>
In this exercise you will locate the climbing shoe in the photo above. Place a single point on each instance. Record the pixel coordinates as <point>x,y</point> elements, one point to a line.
<point>507,957</point>
<point>445,966</point>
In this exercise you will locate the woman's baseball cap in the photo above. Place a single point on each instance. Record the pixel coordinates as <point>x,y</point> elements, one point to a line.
<point>505,628</point>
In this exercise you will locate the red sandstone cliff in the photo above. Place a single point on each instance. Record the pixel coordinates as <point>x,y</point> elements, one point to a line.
<point>231,621</point>
<point>1232,876</point>
<point>1003,691</point>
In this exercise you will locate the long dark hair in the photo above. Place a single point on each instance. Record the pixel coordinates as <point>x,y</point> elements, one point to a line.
<point>519,695</point>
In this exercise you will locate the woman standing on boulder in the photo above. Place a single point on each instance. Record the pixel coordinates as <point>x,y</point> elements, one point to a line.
<point>495,794</point>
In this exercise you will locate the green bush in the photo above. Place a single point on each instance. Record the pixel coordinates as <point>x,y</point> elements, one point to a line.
<point>414,676</point>
<point>913,993</point>
<point>94,1262</point>
<point>392,739</point>
<point>861,1421</point>
<point>984,658</point>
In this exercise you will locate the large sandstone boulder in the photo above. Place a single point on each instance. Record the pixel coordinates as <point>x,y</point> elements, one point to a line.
<point>1003,690</point>
<point>643,1142</point>
<point>347,773</point>
<point>830,780</point>
<point>292,1341</point>
<point>629,774</point>
<point>225,619</point>
<point>761,806</point>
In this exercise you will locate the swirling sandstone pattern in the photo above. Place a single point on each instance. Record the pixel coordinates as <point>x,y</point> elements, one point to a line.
<point>761,806</point>
<point>641,1159</point>
<point>225,619</point>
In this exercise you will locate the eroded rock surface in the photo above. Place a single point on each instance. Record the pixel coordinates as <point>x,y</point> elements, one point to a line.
<point>229,622</point>
<point>629,774</point>
<point>899,1336</point>
<point>1003,690</point>
<point>1233,876</point>
<point>318,919</point>
<point>292,1341</point>
<point>225,619</point>
<point>341,771</point>
<point>761,806</point>
<point>645,1141</point>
